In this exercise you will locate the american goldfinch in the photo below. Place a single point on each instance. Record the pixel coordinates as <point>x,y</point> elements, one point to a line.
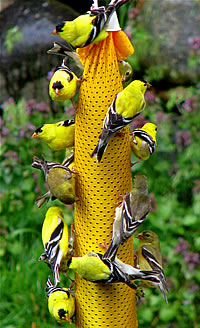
<point>65,51</point>
<point>60,180</point>
<point>55,238</point>
<point>61,303</point>
<point>130,214</point>
<point>88,28</point>
<point>143,141</point>
<point>148,257</point>
<point>63,84</point>
<point>125,70</point>
<point>58,136</point>
<point>96,268</point>
<point>125,107</point>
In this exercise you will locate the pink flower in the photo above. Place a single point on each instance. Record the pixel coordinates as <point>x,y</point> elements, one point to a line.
<point>21,133</point>
<point>5,131</point>
<point>194,42</point>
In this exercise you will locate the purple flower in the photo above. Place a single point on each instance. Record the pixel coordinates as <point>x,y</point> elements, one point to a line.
<point>10,101</point>
<point>50,74</point>
<point>128,32</point>
<point>31,127</point>
<point>194,42</point>
<point>5,131</point>
<point>181,246</point>
<point>133,12</point>
<point>21,133</point>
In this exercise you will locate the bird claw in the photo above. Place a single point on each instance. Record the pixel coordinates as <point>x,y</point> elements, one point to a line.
<point>139,293</point>
<point>132,164</point>
<point>104,245</point>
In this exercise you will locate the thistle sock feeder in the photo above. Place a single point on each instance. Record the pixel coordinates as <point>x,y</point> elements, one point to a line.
<point>99,186</point>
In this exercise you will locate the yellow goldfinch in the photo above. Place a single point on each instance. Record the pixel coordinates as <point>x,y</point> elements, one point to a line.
<point>58,135</point>
<point>55,238</point>
<point>143,141</point>
<point>148,257</point>
<point>88,28</point>
<point>65,51</point>
<point>130,214</point>
<point>96,268</point>
<point>60,180</point>
<point>125,70</point>
<point>63,84</point>
<point>61,303</point>
<point>126,105</point>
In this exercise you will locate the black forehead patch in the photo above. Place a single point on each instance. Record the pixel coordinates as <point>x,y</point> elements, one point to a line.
<point>68,122</point>
<point>57,85</point>
<point>59,27</point>
<point>38,130</point>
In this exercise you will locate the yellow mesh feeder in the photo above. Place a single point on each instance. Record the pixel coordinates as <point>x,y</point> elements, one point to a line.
<point>99,186</point>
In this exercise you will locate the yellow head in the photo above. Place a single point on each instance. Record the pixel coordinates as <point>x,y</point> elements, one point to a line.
<point>54,211</point>
<point>151,129</point>
<point>139,86</point>
<point>45,132</point>
<point>61,305</point>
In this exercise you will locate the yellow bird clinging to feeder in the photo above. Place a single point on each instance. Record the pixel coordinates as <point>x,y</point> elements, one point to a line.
<point>61,303</point>
<point>88,28</point>
<point>126,105</point>
<point>55,238</point>
<point>63,84</point>
<point>58,135</point>
<point>143,141</point>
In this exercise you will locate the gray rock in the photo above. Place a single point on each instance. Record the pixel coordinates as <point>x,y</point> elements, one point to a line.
<point>23,53</point>
<point>169,26</point>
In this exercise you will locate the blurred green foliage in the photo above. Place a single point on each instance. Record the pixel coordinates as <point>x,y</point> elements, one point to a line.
<point>173,174</point>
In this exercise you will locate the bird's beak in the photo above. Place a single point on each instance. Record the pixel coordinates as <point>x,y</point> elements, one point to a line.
<point>35,135</point>
<point>140,236</point>
<point>57,91</point>
<point>67,319</point>
<point>54,32</point>
<point>149,85</point>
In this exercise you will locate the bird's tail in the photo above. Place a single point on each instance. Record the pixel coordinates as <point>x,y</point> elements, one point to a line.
<point>100,148</point>
<point>111,251</point>
<point>114,5</point>
<point>150,275</point>
<point>41,200</point>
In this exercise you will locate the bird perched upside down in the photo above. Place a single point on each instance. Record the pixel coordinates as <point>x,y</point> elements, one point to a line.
<point>88,28</point>
<point>126,105</point>
<point>58,246</point>
<point>143,141</point>
<point>61,303</point>
<point>60,180</point>
<point>63,84</point>
<point>58,135</point>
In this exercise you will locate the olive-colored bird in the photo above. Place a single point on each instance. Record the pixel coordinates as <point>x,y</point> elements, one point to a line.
<point>60,180</point>
<point>148,257</point>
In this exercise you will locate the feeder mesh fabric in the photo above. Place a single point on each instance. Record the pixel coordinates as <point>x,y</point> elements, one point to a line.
<point>99,187</point>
